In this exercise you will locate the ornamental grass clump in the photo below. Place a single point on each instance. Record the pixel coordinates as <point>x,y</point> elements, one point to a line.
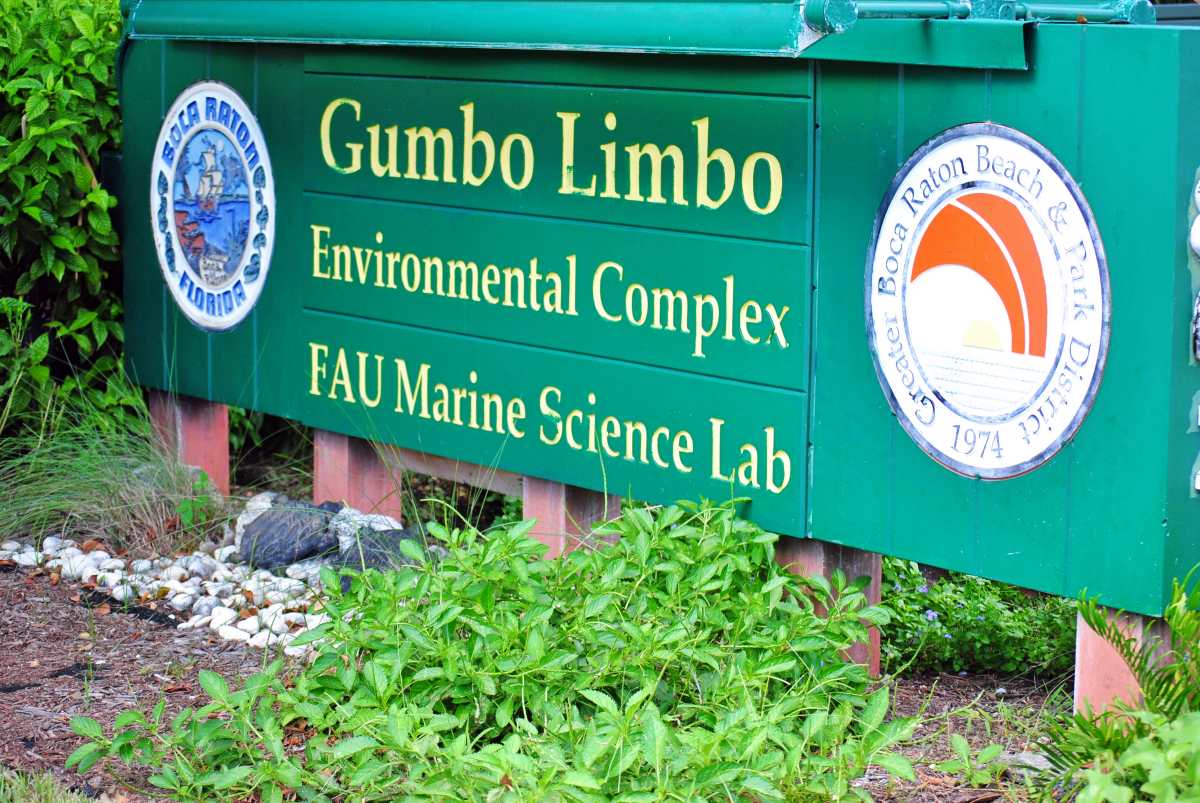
<point>678,662</point>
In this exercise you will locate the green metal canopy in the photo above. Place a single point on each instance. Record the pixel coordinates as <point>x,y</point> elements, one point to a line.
<point>930,32</point>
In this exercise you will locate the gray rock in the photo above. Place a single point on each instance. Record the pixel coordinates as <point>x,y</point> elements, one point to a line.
<point>380,549</point>
<point>255,507</point>
<point>226,553</point>
<point>182,602</point>
<point>287,534</point>
<point>140,566</point>
<point>1026,762</point>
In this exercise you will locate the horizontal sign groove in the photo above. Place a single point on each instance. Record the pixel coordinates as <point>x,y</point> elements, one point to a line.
<point>403,76</point>
<point>603,224</point>
<point>734,383</point>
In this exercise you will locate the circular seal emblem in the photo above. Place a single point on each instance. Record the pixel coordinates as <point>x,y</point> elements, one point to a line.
<point>212,198</point>
<point>987,301</point>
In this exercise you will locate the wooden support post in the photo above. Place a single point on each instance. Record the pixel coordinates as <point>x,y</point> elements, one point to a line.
<point>196,431</point>
<point>1101,676</point>
<point>565,514</point>
<point>349,470</point>
<point>806,556</point>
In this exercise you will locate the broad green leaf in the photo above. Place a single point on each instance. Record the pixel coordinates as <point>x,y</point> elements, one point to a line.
<point>355,744</point>
<point>87,727</point>
<point>214,685</point>
<point>895,764</point>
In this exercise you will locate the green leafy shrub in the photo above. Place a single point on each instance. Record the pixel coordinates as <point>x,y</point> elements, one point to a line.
<point>24,379</point>
<point>968,623</point>
<point>678,663</point>
<point>1147,752</point>
<point>58,249</point>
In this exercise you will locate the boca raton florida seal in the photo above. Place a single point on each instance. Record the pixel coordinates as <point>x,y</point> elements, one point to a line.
<point>212,201</point>
<point>987,301</point>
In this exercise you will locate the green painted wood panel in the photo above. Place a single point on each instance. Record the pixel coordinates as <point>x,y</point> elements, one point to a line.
<point>1095,516</point>
<point>735,392</point>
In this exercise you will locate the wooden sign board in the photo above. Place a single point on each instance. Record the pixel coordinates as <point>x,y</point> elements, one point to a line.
<point>651,275</point>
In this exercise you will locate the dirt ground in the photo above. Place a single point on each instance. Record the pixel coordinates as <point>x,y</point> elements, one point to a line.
<point>65,651</point>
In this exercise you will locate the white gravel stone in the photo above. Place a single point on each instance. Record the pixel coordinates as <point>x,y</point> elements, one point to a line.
<point>5,554</point>
<point>222,616</point>
<point>250,624</point>
<point>195,622</point>
<point>294,618</point>
<point>112,565</point>
<point>301,570</point>
<point>183,602</point>
<point>277,597</point>
<point>296,652</point>
<point>312,620</point>
<point>141,566</point>
<point>348,521</point>
<point>214,589</point>
<point>51,544</point>
<point>124,593</point>
<point>98,556</point>
<point>204,606</point>
<point>71,567</point>
<point>260,639</point>
<point>11,546</point>
<point>110,579</point>
<point>27,558</point>
<point>69,552</point>
<point>232,634</point>
<point>225,554</point>
<point>199,566</point>
<point>176,573</point>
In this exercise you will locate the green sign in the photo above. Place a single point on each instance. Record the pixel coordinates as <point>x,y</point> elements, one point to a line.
<point>671,276</point>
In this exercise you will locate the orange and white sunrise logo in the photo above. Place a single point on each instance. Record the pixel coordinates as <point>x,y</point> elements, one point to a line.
<point>987,301</point>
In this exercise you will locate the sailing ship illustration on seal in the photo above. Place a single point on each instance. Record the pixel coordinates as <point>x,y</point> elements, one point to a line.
<point>212,180</point>
<point>212,220</point>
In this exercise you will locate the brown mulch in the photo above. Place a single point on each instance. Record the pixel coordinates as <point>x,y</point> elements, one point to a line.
<point>984,709</point>
<point>65,651</point>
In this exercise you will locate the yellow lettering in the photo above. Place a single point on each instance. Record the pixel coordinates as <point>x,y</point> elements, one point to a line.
<point>355,148</point>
